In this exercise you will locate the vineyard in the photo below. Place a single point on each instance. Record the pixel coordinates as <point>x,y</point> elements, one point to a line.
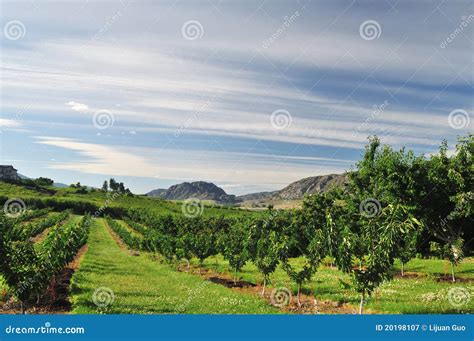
<point>397,239</point>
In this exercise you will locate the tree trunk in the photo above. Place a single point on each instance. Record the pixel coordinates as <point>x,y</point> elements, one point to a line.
<point>298,296</point>
<point>235,277</point>
<point>361,305</point>
<point>452,272</point>
<point>22,308</point>
<point>264,285</point>
<point>403,270</point>
<point>188,265</point>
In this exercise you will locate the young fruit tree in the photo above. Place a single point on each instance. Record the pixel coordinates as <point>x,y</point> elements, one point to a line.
<point>233,244</point>
<point>304,239</point>
<point>448,206</point>
<point>267,242</point>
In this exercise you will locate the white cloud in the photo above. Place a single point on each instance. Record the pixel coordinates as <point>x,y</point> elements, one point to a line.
<point>5,123</point>
<point>80,107</point>
<point>189,165</point>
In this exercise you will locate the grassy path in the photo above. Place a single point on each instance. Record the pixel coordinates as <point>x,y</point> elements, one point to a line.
<point>141,285</point>
<point>411,295</point>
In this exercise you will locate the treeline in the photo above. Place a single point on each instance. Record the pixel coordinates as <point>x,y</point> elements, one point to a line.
<point>396,205</point>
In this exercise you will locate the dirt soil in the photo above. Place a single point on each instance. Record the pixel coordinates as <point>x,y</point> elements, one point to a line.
<point>309,305</point>
<point>450,279</point>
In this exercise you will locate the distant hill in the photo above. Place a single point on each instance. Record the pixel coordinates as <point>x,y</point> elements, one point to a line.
<point>295,191</point>
<point>199,190</point>
<point>257,196</point>
<point>311,185</point>
<point>156,192</point>
<point>209,191</point>
<point>23,177</point>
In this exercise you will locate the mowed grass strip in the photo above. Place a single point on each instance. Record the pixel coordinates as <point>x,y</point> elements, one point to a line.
<point>141,285</point>
<point>410,295</point>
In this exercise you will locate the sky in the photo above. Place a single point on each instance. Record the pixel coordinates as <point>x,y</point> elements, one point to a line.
<point>250,95</point>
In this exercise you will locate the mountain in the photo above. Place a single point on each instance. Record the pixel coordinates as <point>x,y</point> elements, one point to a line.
<point>257,196</point>
<point>23,177</point>
<point>199,190</point>
<point>156,192</point>
<point>209,191</point>
<point>312,185</point>
<point>60,185</point>
<point>294,191</point>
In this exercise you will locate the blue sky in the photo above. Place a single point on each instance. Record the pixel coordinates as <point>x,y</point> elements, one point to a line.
<point>250,95</point>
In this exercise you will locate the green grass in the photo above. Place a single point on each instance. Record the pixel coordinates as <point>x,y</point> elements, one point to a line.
<point>399,296</point>
<point>439,267</point>
<point>142,285</point>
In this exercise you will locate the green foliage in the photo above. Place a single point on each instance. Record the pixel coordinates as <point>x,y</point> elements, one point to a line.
<point>132,240</point>
<point>28,268</point>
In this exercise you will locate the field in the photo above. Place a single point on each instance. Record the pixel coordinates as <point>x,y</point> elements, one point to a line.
<point>106,275</point>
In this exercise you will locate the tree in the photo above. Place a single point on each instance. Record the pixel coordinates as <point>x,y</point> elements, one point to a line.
<point>407,248</point>
<point>382,206</point>
<point>233,243</point>
<point>267,242</point>
<point>203,244</point>
<point>113,185</point>
<point>44,181</point>
<point>304,238</point>
<point>121,187</point>
<point>105,186</point>
<point>446,198</point>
